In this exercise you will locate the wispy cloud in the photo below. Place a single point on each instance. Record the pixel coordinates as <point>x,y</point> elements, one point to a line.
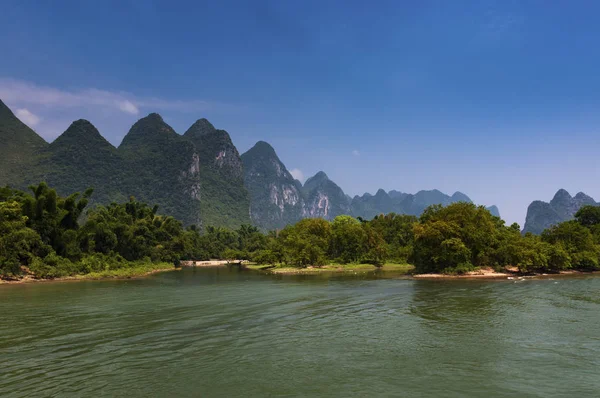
<point>297,174</point>
<point>50,110</point>
<point>23,92</point>
<point>355,153</point>
<point>27,117</point>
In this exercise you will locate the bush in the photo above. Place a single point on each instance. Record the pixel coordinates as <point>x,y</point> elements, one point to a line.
<point>52,266</point>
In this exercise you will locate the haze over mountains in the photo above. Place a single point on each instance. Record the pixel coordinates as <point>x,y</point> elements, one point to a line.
<point>199,177</point>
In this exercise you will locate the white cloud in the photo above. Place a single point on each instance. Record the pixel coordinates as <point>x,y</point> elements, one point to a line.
<point>52,109</point>
<point>27,117</point>
<point>127,106</point>
<point>297,174</point>
<point>23,93</point>
<point>355,153</point>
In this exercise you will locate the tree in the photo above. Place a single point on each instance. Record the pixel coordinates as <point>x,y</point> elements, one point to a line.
<point>577,241</point>
<point>588,216</point>
<point>306,243</point>
<point>456,238</point>
<point>19,245</point>
<point>348,240</point>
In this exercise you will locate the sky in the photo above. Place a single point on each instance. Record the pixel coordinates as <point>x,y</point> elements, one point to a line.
<point>496,99</point>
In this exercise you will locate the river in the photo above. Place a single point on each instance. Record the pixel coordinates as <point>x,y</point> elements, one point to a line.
<point>226,332</point>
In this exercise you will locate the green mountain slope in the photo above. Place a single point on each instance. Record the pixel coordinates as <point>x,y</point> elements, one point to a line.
<point>162,167</point>
<point>198,177</point>
<point>18,147</point>
<point>78,159</point>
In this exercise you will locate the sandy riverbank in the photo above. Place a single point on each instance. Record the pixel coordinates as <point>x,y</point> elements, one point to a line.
<point>489,273</point>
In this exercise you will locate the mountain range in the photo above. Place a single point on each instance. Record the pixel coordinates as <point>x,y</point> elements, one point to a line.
<point>198,177</point>
<point>562,207</point>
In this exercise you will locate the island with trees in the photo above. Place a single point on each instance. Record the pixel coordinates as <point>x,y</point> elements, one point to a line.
<point>44,235</point>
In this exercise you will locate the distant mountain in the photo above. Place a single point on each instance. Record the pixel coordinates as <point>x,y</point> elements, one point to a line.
<point>397,194</point>
<point>18,147</point>
<point>199,177</point>
<point>417,203</point>
<point>323,198</point>
<point>276,198</point>
<point>368,206</point>
<point>80,158</point>
<point>224,198</point>
<point>494,210</point>
<point>162,167</point>
<point>542,215</point>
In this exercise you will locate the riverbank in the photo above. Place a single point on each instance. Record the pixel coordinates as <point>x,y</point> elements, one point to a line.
<point>508,273</point>
<point>136,271</point>
<point>406,269</point>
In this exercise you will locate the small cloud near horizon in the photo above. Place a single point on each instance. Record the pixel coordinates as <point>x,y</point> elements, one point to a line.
<point>23,92</point>
<point>355,153</point>
<point>27,117</point>
<point>52,109</point>
<point>297,174</point>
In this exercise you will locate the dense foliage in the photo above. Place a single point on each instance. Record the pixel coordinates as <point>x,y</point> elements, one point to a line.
<point>49,236</point>
<point>462,237</point>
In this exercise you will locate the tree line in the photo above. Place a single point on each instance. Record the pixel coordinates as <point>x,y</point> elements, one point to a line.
<point>51,236</point>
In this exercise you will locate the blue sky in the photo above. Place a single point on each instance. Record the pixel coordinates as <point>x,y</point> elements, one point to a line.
<point>497,99</point>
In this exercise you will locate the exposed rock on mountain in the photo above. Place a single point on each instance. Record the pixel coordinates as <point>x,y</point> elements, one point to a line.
<point>276,199</point>
<point>542,215</point>
<point>199,177</point>
<point>162,167</point>
<point>323,198</point>
<point>225,200</point>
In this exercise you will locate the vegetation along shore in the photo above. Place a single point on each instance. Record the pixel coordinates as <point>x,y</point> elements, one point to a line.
<point>44,235</point>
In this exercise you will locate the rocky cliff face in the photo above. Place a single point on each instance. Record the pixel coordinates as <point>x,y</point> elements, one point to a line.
<point>225,199</point>
<point>542,215</point>
<point>162,167</point>
<point>199,177</point>
<point>276,199</point>
<point>323,198</point>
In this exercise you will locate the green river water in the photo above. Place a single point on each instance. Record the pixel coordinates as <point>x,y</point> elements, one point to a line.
<point>231,333</point>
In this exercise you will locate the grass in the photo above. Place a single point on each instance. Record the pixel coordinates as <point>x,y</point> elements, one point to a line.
<point>333,268</point>
<point>128,272</point>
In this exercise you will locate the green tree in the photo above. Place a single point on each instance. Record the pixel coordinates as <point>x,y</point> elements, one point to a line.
<point>348,240</point>
<point>577,241</point>
<point>306,243</point>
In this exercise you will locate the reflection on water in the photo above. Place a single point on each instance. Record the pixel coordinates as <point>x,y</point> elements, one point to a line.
<point>226,332</point>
